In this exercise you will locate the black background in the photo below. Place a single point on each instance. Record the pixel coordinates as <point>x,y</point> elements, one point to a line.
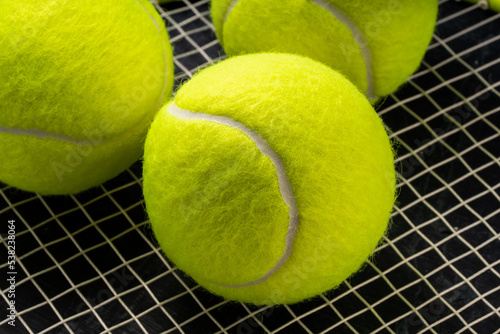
<point>89,263</point>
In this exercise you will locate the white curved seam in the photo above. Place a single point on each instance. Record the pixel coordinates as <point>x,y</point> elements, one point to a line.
<point>42,135</point>
<point>353,28</point>
<point>284,184</point>
<point>358,37</point>
<point>165,83</point>
<point>228,11</point>
<point>81,142</point>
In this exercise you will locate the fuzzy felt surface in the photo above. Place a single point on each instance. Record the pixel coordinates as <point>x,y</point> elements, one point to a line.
<point>495,5</point>
<point>297,26</point>
<point>396,32</point>
<point>213,198</point>
<point>91,70</point>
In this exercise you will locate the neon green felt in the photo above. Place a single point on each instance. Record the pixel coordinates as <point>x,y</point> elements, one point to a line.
<point>49,166</point>
<point>495,5</point>
<point>397,33</point>
<point>82,69</point>
<point>213,174</point>
<point>213,200</point>
<point>301,27</point>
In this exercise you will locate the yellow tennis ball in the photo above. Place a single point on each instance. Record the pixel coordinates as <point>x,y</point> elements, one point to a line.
<point>269,179</point>
<point>377,44</point>
<point>80,82</point>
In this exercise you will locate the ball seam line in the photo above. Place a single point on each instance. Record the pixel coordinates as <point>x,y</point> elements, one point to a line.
<point>343,18</point>
<point>285,186</point>
<point>41,134</point>
<point>228,11</point>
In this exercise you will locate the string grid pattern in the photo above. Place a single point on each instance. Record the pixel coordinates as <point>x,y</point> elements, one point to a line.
<point>88,263</point>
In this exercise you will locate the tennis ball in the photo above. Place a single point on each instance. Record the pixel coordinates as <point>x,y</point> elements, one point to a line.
<point>269,179</point>
<point>377,44</point>
<point>80,82</point>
